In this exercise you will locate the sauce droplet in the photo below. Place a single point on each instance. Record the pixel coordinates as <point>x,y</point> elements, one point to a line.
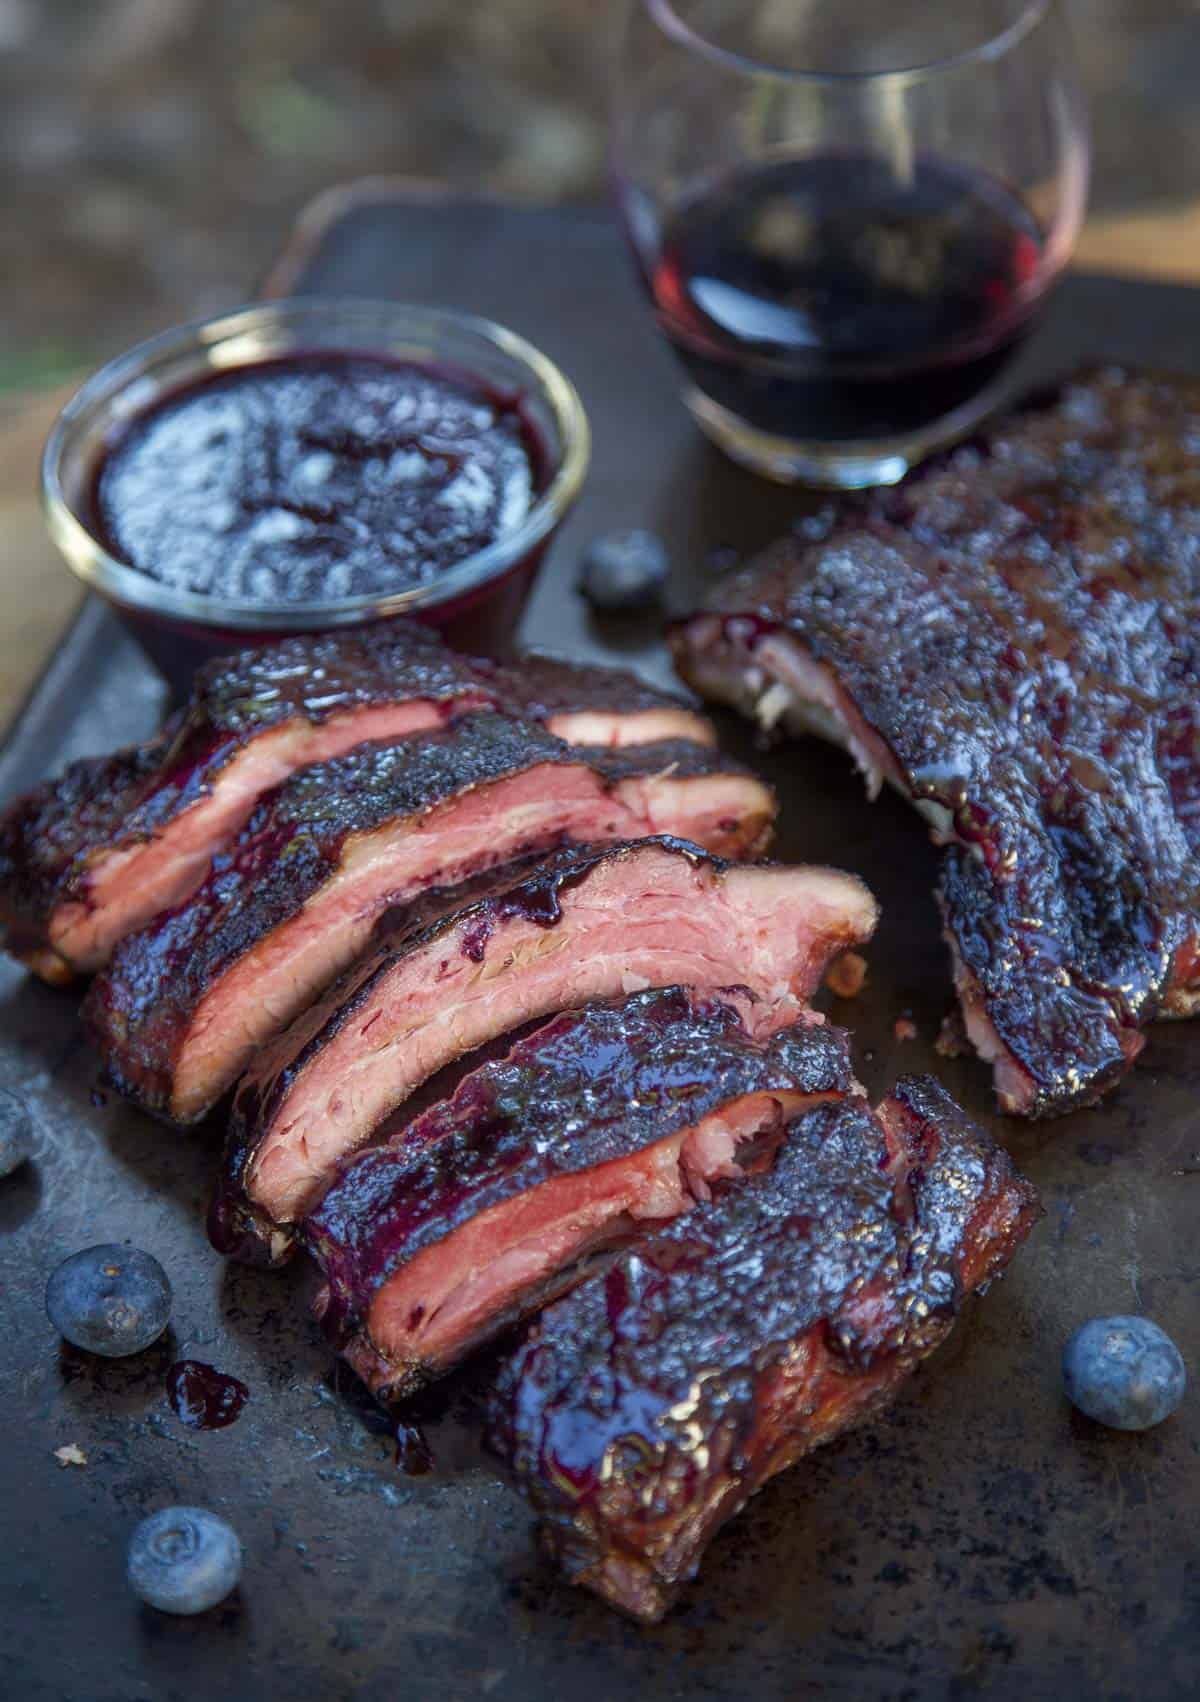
<point>413,1453</point>
<point>202,1397</point>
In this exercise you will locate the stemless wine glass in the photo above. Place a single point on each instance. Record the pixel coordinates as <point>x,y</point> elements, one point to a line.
<point>847,213</point>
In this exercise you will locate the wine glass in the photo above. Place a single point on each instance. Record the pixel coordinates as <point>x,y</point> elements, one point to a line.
<point>848,214</point>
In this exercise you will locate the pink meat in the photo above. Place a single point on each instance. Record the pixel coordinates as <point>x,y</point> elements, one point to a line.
<point>281,975</point>
<point>186,1003</point>
<point>590,704</point>
<point>620,728</point>
<point>650,916</point>
<point>785,685</point>
<point>525,1251</point>
<point>130,885</point>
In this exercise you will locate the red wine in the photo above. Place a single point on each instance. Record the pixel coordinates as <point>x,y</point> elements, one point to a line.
<point>827,299</point>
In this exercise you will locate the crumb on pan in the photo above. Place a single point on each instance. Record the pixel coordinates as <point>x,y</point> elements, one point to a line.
<point>71,1455</point>
<point>847,975</point>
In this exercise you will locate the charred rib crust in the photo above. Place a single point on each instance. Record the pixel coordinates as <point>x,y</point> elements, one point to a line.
<point>542,686</point>
<point>589,1087</point>
<point>948,1161</point>
<point>46,838</point>
<point>645,1408</point>
<point>1020,626</point>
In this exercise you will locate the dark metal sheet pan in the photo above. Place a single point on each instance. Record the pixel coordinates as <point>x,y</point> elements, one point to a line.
<point>978,1540</point>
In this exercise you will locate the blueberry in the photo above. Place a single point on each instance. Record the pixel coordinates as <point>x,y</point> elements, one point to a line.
<point>624,570</point>
<point>183,1560</point>
<point>1124,1372</point>
<point>16,1133</point>
<point>111,1300</point>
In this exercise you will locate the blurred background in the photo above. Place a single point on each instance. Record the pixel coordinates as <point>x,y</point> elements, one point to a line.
<point>154,152</point>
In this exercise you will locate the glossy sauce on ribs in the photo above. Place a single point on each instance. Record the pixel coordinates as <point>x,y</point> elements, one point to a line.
<point>601,1122</point>
<point>1012,639</point>
<point>586,925</point>
<point>646,1407</point>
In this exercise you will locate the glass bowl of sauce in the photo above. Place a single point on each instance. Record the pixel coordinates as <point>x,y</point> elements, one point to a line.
<point>312,464</point>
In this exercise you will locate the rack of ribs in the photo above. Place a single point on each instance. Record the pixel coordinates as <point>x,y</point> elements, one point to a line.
<point>1011,639</point>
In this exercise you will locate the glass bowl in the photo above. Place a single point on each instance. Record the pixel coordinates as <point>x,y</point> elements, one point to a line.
<point>476,602</point>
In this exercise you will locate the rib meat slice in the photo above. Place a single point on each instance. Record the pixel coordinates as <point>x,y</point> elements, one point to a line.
<point>1012,639</point>
<point>186,1003</point>
<point>115,840</point>
<point>586,925</point>
<point>590,705</point>
<point>603,1120</point>
<point>645,1408</point>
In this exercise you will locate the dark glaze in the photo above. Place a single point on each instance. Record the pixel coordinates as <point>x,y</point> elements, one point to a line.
<point>1042,682</point>
<point>291,847</point>
<point>537,900</point>
<point>589,1087</point>
<point>645,1408</point>
<point>315,476</point>
<point>204,1398</point>
<point>234,1226</point>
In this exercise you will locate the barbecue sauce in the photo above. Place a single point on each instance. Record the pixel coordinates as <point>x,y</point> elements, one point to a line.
<point>204,1398</point>
<point>314,477</point>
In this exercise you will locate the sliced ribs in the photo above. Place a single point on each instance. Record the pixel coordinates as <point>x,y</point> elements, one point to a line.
<point>94,855</point>
<point>645,1408</point>
<point>186,1003</point>
<point>97,853</point>
<point>601,1122</point>
<point>1012,640</point>
<point>585,925</point>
